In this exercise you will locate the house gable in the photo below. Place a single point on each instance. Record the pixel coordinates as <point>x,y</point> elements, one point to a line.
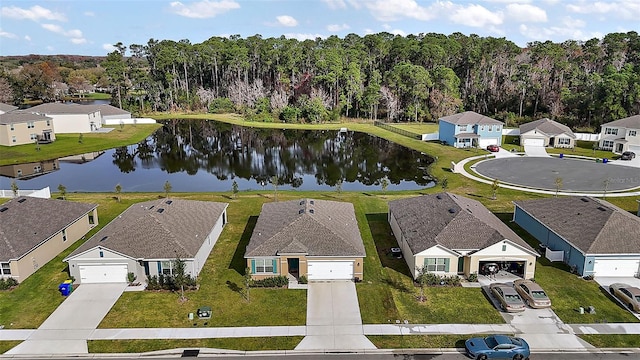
<point>505,248</point>
<point>436,251</point>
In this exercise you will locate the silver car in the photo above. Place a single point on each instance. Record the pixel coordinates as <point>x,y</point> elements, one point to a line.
<point>509,299</point>
<point>629,295</point>
<point>532,294</point>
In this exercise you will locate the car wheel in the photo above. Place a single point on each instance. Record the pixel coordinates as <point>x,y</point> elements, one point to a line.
<point>611,291</point>
<point>526,302</point>
<point>482,357</point>
<point>630,306</point>
<point>518,357</point>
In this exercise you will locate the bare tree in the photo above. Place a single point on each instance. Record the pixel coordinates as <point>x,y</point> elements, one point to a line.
<point>391,101</point>
<point>494,187</point>
<point>14,188</point>
<point>558,182</point>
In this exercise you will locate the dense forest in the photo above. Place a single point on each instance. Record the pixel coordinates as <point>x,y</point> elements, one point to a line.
<point>378,76</point>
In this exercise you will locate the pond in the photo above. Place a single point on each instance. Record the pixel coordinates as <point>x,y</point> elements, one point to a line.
<point>200,156</point>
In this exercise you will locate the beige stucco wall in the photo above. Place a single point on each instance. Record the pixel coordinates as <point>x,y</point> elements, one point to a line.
<point>49,249</point>
<point>23,133</point>
<point>92,257</point>
<point>283,266</point>
<point>76,123</point>
<point>28,169</point>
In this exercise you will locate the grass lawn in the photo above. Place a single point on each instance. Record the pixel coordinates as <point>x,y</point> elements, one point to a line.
<point>419,341</point>
<point>7,345</point>
<point>612,341</point>
<point>418,128</point>
<point>68,144</point>
<point>245,344</point>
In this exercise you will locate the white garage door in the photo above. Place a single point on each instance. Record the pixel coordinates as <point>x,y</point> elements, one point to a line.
<point>534,142</point>
<point>93,274</point>
<point>483,143</point>
<point>616,267</point>
<point>330,270</point>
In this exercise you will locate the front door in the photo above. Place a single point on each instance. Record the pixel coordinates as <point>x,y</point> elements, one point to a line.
<point>294,266</point>
<point>461,265</point>
<point>620,147</point>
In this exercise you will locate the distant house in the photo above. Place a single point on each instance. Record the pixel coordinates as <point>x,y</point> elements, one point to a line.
<point>621,135</point>
<point>112,115</point>
<point>5,108</point>
<point>29,170</point>
<point>147,238</point>
<point>20,127</point>
<point>546,132</point>
<point>454,235</point>
<point>71,118</point>
<point>595,236</point>
<point>470,129</point>
<point>33,231</point>
<point>318,239</point>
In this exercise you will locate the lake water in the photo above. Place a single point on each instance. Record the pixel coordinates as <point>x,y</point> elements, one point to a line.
<point>199,156</point>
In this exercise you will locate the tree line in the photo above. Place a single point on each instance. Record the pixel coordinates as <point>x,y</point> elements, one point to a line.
<point>376,76</point>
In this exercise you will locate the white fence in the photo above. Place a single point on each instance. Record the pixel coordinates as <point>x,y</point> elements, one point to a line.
<point>129,121</point>
<point>553,255</point>
<point>430,137</point>
<point>579,136</point>
<point>42,193</point>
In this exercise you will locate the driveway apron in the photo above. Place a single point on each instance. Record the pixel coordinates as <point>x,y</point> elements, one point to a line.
<point>67,329</point>
<point>333,318</point>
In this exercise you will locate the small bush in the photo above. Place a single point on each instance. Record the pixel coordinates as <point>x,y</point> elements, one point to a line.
<point>271,282</point>
<point>473,277</point>
<point>8,283</point>
<point>221,106</point>
<point>303,280</point>
<point>432,279</point>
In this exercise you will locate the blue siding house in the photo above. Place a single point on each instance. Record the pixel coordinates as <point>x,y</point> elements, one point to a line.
<point>596,237</point>
<point>470,129</point>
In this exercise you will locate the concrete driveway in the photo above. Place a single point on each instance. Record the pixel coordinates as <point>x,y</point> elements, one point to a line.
<point>67,329</point>
<point>333,318</point>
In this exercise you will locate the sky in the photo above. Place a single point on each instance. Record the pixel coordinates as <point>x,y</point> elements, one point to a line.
<point>92,27</point>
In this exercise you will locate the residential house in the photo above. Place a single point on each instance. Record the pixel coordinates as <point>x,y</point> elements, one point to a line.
<point>546,132</point>
<point>595,236</point>
<point>30,170</point>
<point>71,118</point>
<point>5,108</point>
<point>147,238</point>
<point>33,231</point>
<point>112,115</point>
<point>453,235</point>
<point>621,135</point>
<point>20,127</point>
<point>470,129</point>
<point>318,239</point>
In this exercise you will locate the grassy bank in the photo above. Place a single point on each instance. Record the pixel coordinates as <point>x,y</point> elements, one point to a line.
<point>244,344</point>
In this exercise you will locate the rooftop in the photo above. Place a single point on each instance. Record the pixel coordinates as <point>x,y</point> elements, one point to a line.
<point>470,118</point>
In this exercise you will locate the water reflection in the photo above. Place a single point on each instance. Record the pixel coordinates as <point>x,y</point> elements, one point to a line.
<point>187,153</point>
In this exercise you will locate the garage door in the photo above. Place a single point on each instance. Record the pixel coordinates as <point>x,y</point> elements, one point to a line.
<point>330,270</point>
<point>483,143</point>
<point>93,274</point>
<point>534,142</point>
<point>616,267</point>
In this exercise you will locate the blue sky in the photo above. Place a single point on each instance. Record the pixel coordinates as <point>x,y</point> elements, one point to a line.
<point>91,27</point>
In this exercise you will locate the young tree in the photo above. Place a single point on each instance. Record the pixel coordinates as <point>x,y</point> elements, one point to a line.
<point>339,186</point>
<point>384,184</point>
<point>422,280</point>
<point>274,182</point>
<point>444,184</point>
<point>14,188</point>
<point>63,191</point>
<point>167,188</point>
<point>180,276</point>
<point>247,282</point>
<point>234,188</point>
<point>118,191</point>
<point>494,186</point>
<point>80,138</point>
<point>558,182</point>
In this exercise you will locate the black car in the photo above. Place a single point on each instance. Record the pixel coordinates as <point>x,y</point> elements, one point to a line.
<point>628,155</point>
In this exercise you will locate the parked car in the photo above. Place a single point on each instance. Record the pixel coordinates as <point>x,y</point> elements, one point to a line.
<point>532,294</point>
<point>493,148</point>
<point>497,347</point>
<point>629,295</point>
<point>508,297</point>
<point>628,155</point>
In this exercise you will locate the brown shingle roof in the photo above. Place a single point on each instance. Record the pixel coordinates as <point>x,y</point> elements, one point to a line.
<point>470,118</point>
<point>6,107</point>
<point>144,232</point>
<point>449,220</point>
<point>631,122</point>
<point>28,221</point>
<point>18,117</point>
<point>548,127</point>
<point>593,226</point>
<point>309,226</point>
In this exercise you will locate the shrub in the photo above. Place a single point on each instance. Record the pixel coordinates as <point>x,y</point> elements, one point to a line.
<point>303,280</point>
<point>166,282</point>
<point>432,279</point>
<point>271,282</point>
<point>473,277</point>
<point>221,106</point>
<point>8,283</point>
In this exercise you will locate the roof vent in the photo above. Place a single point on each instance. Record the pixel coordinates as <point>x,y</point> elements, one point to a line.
<point>301,211</point>
<point>104,238</point>
<point>452,211</point>
<point>168,202</point>
<point>4,209</point>
<point>311,211</point>
<point>161,210</point>
<point>311,202</point>
<point>151,207</point>
<point>301,202</point>
<point>584,199</point>
<point>439,197</point>
<point>601,208</point>
<point>22,200</point>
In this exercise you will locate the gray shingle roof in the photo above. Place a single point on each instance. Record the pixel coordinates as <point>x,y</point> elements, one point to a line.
<point>28,221</point>
<point>65,108</point>
<point>469,118</point>
<point>308,226</point>
<point>142,232</point>
<point>548,127</point>
<point>631,122</point>
<point>6,107</point>
<point>449,220</point>
<point>594,226</point>
<point>107,110</point>
<point>17,117</point>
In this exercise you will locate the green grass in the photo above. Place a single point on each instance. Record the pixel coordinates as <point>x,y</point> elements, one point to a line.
<point>7,345</point>
<point>418,128</point>
<point>68,144</point>
<point>419,341</point>
<point>245,344</point>
<point>612,340</point>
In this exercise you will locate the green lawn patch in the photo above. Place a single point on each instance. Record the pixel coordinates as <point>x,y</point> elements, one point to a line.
<point>244,344</point>
<point>418,341</point>
<point>418,128</point>
<point>612,340</point>
<point>7,345</point>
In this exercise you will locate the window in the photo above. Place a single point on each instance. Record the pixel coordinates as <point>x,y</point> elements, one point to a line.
<point>34,137</point>
<point>166,267</point>
<point>12,127</point>
<point>436,264</point>
<point>564,141</point>
<point>48,122</point>
<point>31,125</point>
<point>463,127</point>
<point>19,172</point>
<point>13,139</point>
<point>92,221</point>
<point>504,247</point>
<point>610,131</point>
<point>101,253</point>
<point>607,144</point>
<point>632,132</point>
<point>64,234</point>
<point>264,266</point>
<point>5,269</point>
<point>37,169</point>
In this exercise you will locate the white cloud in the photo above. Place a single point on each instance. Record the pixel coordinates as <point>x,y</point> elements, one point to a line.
<point>108,47</point>
<point>335,4</point>
<point>391,10</point>
<point>476,16</point>
<point>570,22</point>
<point>8,35</point>
<point>286,20</point>
<point>302,37</point>
<point>74,34</point>
<point>203,9</point>
<point>27,38</point>
<point>337,27</point>
<point>398,32</point>
<point>525,13</point>
<point>557,33</point>
<point>50,48</point>
<point>34,13</point>
<point>89,13</point>
<point>627,10</point>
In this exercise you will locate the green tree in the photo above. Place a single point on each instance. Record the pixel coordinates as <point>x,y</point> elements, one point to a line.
<point>247,282</point>
<point>180,276</point>
<point>495,185</point>
<point>80,138</point>
<point>444,183</point>
<point>339,186</point>
<point>422,279</point>
<point>116,70</point>
<point>234,188</point>
<point>14,188</point>
<point>167,188</point>
<point>274,183</point>
<point>384,184</point>
<point>63,191</point>
<point>118,190</point>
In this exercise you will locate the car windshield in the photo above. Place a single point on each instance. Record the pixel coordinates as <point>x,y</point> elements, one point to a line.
<point>491,342</point>
<point>538,295</point>
<point>512,298</point>
<point>638,298</point>
<point>515,341</point>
